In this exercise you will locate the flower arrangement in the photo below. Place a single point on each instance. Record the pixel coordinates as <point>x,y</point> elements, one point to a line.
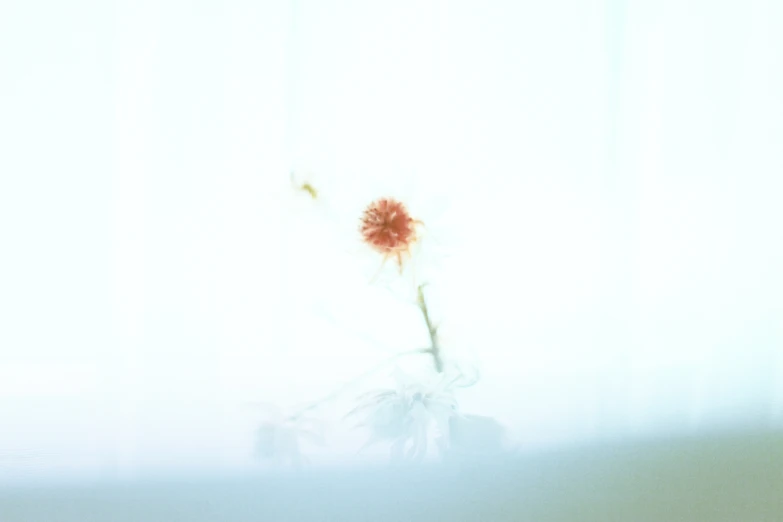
<point>419,416</point>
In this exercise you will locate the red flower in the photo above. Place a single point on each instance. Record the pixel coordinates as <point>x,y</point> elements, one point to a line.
<point>388,228</point>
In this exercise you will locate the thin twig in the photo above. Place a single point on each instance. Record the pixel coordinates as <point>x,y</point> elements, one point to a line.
<point>339,391</point>
<point>434,349</point>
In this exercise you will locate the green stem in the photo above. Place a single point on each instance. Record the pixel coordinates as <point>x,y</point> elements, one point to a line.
<point>434,349</point>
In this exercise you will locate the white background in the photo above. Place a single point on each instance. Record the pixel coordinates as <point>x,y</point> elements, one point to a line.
<point>613,170</point>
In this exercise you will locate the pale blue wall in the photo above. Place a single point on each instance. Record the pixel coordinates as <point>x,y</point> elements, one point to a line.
<point>613,167</point>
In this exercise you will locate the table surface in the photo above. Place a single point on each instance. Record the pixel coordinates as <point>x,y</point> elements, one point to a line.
<point>735,477</point>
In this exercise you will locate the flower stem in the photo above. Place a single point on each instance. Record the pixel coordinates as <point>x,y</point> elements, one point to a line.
<point>434,348</point>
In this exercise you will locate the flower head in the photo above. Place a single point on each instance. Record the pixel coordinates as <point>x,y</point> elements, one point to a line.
<point>477,435</point>
<point>409,417</point>
<point>388,228</point>
<point>279,437</point>
<point>368,219</point>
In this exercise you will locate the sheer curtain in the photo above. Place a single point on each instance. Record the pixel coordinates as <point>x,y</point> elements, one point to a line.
<point>610,169</point>
<point>613,170</point>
